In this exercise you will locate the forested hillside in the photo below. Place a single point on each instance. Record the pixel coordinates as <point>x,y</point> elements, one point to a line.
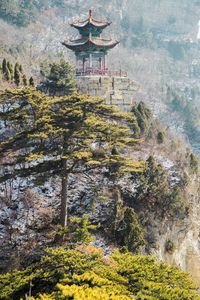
<point>158,47</point>
<point>89,193</point>
<point>23,12</point>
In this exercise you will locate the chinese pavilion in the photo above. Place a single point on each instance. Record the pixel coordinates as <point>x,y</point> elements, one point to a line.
<point>90,48</point>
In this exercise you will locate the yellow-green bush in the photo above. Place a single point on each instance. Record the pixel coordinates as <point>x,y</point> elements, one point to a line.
<point>85,274</point>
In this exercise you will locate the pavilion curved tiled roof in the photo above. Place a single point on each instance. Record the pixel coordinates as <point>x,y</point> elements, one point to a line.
<point>85,43</point>
<point>90,21</point>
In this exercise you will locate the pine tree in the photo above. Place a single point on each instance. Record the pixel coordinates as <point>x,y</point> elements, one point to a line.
<point>131,233</point>
<point>143,119</point>
<point>4,65</point>
<point>194,163</point>
<point>58,136</point>
<point>31,82</point>
<point>11,69</point>
<point>60,80</point>
<point>160,137</point>
<point>17,75</point>
<point>7,75</point>
<point>24,80</point>
<point>85,274</point>
<point>5,70</point>
<point>78,231</point>
<point>20,69</point>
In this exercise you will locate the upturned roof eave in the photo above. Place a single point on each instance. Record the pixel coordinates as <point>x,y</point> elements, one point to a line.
<point>88,43</point>
<point>94,23</point>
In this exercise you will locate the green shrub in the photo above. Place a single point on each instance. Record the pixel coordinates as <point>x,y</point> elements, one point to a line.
<point>84,274</point>
<point>143,118</point>
<point>160,137</point>
<point>31,82</point>
<point>17,74</point>
<point>194,164</point>
<point>169,246</point>
<point>176,201</point>
<point>13,74</point>
<point>130,233</point>
<point>59,77</point>
<point>78,230</point>
<point>155,192</point>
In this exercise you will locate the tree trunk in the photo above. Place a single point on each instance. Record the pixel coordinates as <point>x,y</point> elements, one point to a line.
<point>63,212</point>
<point>118,213</point>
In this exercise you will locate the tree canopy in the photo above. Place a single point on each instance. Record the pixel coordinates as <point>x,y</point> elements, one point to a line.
<point>59,136</point>
<point>59,78</point>
<point>22,12</point>
<point>85,274</point>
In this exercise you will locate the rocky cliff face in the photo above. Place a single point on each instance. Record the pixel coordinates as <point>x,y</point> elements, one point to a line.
<point>182,235</point>
<point>29,213</point>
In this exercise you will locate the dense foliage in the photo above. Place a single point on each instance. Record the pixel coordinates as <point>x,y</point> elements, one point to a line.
<point>155,192</point>
<point>143,119</point>
<point>14,74</point>
<point>59,136</point>
<point>130,233</point>
<point>22,12</point>
<point>183,106</point>
<point>85,274</point>
<point>59,78</point>
<point>77,231</point>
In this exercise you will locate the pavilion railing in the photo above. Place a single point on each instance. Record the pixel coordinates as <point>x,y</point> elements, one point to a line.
<point>105,72</point>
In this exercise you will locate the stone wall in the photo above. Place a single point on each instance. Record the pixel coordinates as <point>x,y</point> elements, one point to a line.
<point>116,90</point>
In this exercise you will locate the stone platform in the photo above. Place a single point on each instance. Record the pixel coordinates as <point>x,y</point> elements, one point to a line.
<point>116,90</point>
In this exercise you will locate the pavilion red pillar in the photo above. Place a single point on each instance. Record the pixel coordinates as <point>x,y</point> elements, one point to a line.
<point>100,63</point>
<point>106,61</point>
<point>83,65</point>
<point>77,62</point>
<point>90,60</point>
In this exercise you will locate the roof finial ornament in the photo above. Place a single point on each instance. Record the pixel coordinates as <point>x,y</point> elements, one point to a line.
<point>90,13</point>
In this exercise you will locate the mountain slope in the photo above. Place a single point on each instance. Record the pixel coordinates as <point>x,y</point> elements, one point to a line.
<point>158,47</point>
